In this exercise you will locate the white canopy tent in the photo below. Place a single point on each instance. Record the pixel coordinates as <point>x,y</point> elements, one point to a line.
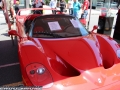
<point>89,15</point>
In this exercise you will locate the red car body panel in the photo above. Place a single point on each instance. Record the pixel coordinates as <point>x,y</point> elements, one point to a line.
<point>77,63</point>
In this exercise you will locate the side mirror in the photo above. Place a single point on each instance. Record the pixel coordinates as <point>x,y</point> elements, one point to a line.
<point>94,28</point>
<point>13,32</point>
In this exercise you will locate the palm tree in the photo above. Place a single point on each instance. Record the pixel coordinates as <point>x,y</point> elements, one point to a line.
<point>47,2</point>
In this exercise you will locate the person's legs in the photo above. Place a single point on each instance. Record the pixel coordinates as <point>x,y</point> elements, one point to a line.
<point>5,18</point>
<point>70,11</point>
<point>61,9</point>
<point>54,11</point>
<point>16,11</point>
<point>109,23</point>
<point>76,14</point>
<point>10,16</point>
<point>84,15</point>
<point>41,11</point>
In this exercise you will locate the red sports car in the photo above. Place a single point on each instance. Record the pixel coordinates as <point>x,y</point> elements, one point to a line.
<point>56,52</point>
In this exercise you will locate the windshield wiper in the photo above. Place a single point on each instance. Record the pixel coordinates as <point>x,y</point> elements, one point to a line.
<point>50,34</point>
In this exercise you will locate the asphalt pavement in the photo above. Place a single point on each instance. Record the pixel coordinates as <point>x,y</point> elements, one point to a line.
<point>9,62</point>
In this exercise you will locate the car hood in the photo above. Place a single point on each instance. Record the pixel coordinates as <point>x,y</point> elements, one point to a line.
<point>94,79</point>
<point>81,53</point>
<point>85,55</point>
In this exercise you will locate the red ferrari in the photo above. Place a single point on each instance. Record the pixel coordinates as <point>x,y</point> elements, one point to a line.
<point>56,52</point>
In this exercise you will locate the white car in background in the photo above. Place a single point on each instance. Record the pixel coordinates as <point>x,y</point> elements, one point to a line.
<point>99,3</point>
<point>114,4</point>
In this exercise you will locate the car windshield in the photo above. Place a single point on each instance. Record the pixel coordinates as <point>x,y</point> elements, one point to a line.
<point>57,26</point>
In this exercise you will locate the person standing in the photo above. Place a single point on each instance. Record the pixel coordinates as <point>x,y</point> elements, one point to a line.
<point>62,5</point>
<point>9,4</point>
<point>39,4</point>
<point>33,3</point>
<point>53,4</point>
<point>10,10</point>
<point>17,7</point>
<point>70,5</point>
<point>85,9</point>
<point>76,8</point>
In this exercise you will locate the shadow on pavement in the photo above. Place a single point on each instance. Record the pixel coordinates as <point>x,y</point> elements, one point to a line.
<point>3,23</point>
<point>5,34</point>
<point>9,63</point>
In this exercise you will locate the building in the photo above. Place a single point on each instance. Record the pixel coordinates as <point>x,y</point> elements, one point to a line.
<point>103,3</point>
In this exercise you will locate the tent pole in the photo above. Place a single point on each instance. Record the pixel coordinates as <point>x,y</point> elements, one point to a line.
<point>89,15</point>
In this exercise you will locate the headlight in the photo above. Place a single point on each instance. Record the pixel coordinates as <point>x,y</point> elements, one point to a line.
<point>39,75</point>
<point>118,53</point>
<point>41,70</point>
